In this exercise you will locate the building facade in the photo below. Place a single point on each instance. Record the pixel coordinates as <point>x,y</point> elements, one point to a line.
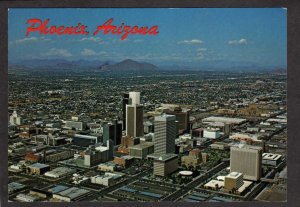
<point>164,134</point>
<point>246,159</point>
<point>233,181</point>
<point>193,160</point>
<point>112,131</point>
<point>134,120</point>
<point>165,164</point>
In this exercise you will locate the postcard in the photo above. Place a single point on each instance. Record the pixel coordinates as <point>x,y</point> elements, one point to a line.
<point>147,105</point>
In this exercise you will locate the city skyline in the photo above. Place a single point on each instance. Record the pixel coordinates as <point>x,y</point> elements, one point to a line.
<point>255,37</point>
<point>194,111</point>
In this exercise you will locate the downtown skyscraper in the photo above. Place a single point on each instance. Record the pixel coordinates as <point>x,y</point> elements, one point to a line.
<point>165,134</point>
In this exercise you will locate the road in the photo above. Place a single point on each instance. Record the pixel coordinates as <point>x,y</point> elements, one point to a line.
<point>193,184</point>
<point>116,186</point>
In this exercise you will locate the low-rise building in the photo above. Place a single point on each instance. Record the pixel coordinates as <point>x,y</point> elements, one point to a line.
<point>165,164</point>
<point>58,156</point>
<point>38,169</point>
<point>26,197</point>
<point>107,179</point>
<point>271,159</point>
<point>211,133</point>
<point>71,194</point>
<point>31,157</point>
<point>78,125</point>
<point>220,146</point>
<point>107,167</point>
<point>193,160</point>
<point>141,150</point>
<point>233,181</point>
<point>14,187</point>
<point>123,161</point>
<point>59,172</point>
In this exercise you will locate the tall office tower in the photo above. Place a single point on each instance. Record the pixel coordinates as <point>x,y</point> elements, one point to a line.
<point>246,159</point>
<point>183,118</point>
<point>134,120</point>
<point>112,131</point>
<point>125,101</point>
<point>134,98</point>
<point>164,134</point>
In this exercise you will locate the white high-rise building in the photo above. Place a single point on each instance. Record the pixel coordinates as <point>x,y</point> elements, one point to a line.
<point>246,159</point>
<point>164,134</point>
<point>135,98</point>
<point>134,116</point>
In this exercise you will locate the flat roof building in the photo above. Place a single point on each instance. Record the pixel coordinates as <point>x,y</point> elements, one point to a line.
<point>38,169</point>
<point>165,164</point>
<point>71,194</point>
<point>193,160</point>
<point>107,179</point>
<point>141,150</point>
<point>233,181</point>
<point>165,134</point>
<point>78,125</point>
<point>271,159</point>
<point>85,140</point>
<point>95,155</point>
<point>107,167</point>
<point>123,161</point>
<point>26,197</point>
<point>246,159</point>
<point>228,120</point>
<point>59,172</point>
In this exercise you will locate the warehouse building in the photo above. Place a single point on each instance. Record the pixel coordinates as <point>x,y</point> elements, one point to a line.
<point>227,120</point>
<point>60,172</point>
<point>71,194</point>
<point>107,179</point>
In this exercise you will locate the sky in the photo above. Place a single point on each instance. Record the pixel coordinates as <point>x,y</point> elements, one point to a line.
<point>187,36</point>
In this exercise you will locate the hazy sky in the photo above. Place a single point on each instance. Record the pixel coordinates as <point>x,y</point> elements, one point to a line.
<point>186,36</point>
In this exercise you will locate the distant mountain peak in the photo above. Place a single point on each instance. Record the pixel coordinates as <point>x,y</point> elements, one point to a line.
<point>129,65</point>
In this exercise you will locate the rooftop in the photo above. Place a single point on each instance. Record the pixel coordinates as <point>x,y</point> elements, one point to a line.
<point>165,117</point>
<point>166,157</point>
<point>270,156</point>
<point>142,145</point>
<point>73,192</point>
<point>58,188</point>
<point>245,146</point>
<point>38,165</point>
<point>229,120</point>
<point>234,174</point>
<point>59,171</point>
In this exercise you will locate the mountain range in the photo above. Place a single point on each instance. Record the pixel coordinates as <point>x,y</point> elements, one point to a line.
<point>128,65</point>
<point>132,65</point>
